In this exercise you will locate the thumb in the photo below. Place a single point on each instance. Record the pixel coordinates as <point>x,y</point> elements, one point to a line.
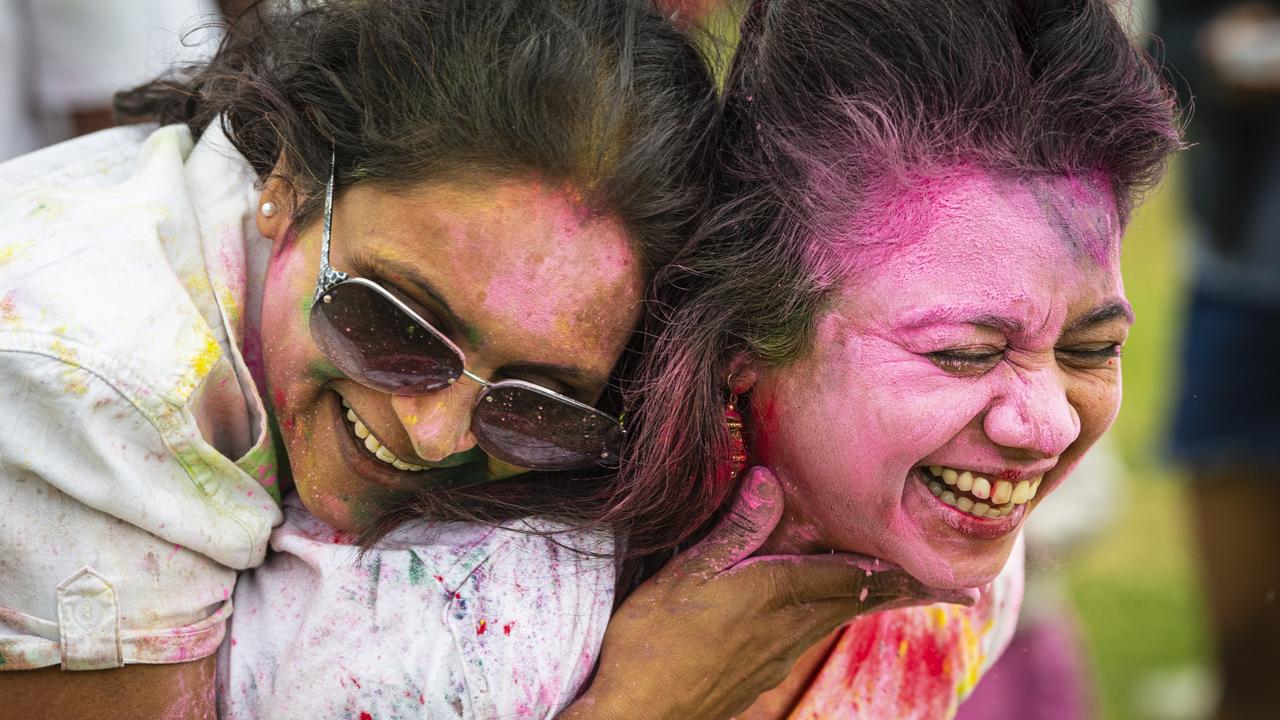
<point>754,514</point>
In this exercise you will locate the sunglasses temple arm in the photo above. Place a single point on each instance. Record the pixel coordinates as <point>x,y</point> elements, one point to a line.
<point>328,276</point>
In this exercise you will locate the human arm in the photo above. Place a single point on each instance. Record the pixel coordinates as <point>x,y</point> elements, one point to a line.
<point>176,692</point>
<point>716,627</point>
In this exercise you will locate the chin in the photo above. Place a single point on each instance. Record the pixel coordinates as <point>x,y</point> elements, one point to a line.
<point>958,573</point>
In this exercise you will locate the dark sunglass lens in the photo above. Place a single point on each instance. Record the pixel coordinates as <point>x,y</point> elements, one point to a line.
<point>526,428</point>
<point>372,341</point>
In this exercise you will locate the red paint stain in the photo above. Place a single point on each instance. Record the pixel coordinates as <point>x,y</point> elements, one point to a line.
<point>357,684</point>
<point>506,629</point>
<point>484,625</point>
<point>421,700</point>
<point>365,716</point>
<point>290,423</point>
<point>278,398</point>
<point>762,425</point>
<point>438,579</point>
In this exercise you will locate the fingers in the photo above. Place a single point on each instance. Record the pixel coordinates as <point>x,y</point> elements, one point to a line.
<point>798,579</point>
<point>755,513</point>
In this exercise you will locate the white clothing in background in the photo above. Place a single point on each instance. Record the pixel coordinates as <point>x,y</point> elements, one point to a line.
<point>57,56</point>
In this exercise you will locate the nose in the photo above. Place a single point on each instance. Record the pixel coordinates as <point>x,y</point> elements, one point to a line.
<point>1033,414</point>
<point>439,423</point>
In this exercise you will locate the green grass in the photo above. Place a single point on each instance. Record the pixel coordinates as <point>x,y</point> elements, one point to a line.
<point>1136,586</point>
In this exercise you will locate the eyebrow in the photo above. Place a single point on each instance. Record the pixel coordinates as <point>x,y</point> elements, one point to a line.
<point>964,316</point>
<point>953,315</point>
<point>1104,313</point>
<point>425,288</point>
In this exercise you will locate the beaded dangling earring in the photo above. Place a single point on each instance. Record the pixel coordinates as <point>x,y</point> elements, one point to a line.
<point>737,446</point>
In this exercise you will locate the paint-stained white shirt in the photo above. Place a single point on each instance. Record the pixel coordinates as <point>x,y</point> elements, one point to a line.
<point>446,620</point>
<point>124,267</point>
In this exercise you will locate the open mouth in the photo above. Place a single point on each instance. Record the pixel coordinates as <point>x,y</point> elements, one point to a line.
<point>976,495</point>
<point>374,447</point>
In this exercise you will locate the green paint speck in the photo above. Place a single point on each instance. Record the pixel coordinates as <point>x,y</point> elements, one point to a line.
<point>417,570</point>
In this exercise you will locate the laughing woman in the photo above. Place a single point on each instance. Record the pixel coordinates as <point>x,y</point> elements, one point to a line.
<point>910,290</point>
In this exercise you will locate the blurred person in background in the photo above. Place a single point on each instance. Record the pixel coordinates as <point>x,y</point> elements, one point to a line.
<point>1227,427</point>
<point>61,60</point>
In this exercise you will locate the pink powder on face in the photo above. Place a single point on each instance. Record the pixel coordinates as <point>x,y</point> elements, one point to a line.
<point>1004,266</point>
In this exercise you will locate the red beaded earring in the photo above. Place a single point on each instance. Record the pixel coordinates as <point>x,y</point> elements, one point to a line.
<point>737,446</point>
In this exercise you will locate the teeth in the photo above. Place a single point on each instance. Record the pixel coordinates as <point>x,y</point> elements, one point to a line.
<point>372,443</point>
<point>958,488</point>
<point>1021,493</point>
<point>982,488</point>
<point>1001,493</point>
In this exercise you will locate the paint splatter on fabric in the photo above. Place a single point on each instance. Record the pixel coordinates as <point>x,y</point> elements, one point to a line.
<point>446,620</point>
<point>916,663</point>
<point>125,399</point>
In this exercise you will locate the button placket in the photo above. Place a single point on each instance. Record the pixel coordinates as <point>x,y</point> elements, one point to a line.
<point>88,622</point>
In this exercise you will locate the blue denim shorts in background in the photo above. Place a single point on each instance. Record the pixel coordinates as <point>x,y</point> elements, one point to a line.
<point>1228,407</point>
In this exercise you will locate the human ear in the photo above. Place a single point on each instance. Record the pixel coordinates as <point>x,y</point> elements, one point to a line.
<point>276,204</point>
<point>744,372</point>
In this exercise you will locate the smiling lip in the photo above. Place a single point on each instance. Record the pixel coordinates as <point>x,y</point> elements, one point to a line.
<point>365,466</point>
<point>981,528</point>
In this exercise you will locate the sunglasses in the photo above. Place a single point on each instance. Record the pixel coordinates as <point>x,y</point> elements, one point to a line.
<point>372,337</point>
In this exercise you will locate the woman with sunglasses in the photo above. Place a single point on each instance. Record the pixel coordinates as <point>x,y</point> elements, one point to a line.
<point>934,195</point>
<point>383,246</point>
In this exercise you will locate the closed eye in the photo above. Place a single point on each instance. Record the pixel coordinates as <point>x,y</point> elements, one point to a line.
<point>967,361</point>
<point>1094,355</point>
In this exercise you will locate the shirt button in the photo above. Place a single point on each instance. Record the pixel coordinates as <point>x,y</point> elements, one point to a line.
<point>87,613</point>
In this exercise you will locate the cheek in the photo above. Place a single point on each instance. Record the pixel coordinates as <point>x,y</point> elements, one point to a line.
<point>1097,401</point>
<point>286,303</point>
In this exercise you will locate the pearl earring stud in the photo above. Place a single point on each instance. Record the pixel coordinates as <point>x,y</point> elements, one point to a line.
<point>268,209</point>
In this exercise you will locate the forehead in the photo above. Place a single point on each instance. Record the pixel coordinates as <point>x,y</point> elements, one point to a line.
<point>533,273</point>
<point>1034,247</point>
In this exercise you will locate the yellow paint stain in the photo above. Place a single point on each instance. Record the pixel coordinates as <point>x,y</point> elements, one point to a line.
<point>11,251</point>
<point>64,352</point>
<point>939,616</point>
<point>73,378</point>
<point>73,381</point>
<point>208,356</point>
<point>902,649</point>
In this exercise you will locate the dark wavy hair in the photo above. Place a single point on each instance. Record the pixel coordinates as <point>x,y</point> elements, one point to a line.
<point>604,95</point>
<point>831,108</point>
